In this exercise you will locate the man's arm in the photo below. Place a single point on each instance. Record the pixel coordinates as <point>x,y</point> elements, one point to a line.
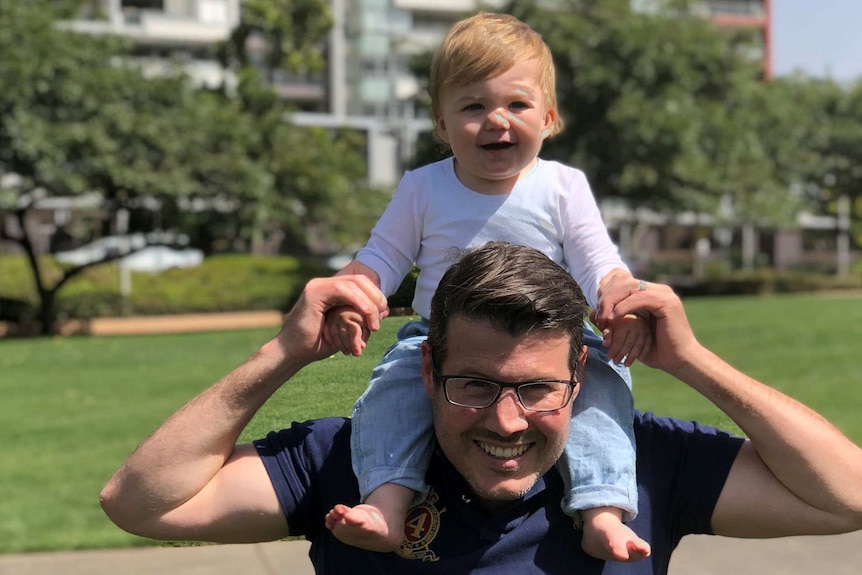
<point>797,474</point>
<point>189,480</point>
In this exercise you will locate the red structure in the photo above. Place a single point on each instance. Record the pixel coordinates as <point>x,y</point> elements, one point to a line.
<point>747,14</point>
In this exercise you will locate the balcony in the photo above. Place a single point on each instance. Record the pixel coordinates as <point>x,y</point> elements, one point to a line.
<point>190,23</point>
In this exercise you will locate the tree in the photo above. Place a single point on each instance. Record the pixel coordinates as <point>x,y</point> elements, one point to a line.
<point>291,32</point>
<point>73,121</point>
<point>841,158</point>
<point>77,117</point>
<point>320,197</point>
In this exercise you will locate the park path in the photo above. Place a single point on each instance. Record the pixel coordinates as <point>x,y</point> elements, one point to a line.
<point>697,555</point>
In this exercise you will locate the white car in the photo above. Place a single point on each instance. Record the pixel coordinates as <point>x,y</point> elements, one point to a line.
<point>151,259</point>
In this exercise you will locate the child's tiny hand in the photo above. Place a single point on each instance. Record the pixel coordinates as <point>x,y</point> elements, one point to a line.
<point>345,330</point>
<point>627,338</point>
<point>617,285</point>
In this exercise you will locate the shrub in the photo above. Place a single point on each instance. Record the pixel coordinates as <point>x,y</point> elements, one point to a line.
<point>221,283</point>
<point>767,281</point>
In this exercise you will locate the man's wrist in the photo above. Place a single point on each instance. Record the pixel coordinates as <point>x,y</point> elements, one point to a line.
<point>279,359</point>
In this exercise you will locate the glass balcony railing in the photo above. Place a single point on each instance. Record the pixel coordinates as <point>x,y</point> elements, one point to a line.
<point>750,8</point>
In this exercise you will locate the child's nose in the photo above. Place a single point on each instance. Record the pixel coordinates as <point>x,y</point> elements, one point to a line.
<point>497,120</point>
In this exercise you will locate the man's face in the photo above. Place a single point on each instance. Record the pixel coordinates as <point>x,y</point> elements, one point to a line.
<point>501,450</point>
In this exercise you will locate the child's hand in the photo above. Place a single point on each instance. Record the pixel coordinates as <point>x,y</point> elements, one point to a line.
<point>617,285</point>
<point>345,330</point>
<point>627,338</point>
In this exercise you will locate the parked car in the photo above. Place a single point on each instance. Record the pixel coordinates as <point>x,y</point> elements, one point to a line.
<point>143,257</point>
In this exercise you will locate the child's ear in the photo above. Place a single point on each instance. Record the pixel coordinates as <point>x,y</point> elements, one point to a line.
<point>440,127</point>
<point>550,120</point>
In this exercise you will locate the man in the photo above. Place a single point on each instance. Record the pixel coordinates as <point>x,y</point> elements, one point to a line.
<point>501,365</point>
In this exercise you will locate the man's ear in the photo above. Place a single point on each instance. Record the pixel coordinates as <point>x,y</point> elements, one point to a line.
<point>581,371</point>
<point>582,364</point>
<point>427,369</point>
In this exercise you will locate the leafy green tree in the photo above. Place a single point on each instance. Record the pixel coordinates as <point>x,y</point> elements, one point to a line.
<point>291,33</point>
<point>841,158</point>
<point>74,122</point>
<point>320,195</point>
<point>655,103</point>
<point>77,117</point>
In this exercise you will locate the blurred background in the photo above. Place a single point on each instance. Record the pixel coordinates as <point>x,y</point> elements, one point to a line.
<point>168,156</point>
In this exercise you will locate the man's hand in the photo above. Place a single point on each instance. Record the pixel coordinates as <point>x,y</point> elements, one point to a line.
<point>302,337</point>
<point>673,339</point>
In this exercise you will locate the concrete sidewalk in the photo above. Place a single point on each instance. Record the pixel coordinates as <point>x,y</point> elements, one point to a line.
<point>697,555</point>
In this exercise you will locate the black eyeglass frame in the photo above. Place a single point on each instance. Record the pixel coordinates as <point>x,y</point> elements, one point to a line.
<point>443,379</point>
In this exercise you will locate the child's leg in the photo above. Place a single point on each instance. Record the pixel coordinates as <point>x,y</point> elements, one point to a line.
<point>598,463</point>
<point>391,443</point>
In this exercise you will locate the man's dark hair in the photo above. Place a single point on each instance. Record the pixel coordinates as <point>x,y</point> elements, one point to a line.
<point>515,289</point>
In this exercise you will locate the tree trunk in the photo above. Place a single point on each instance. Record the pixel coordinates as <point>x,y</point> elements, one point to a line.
<point>47,299</point>
<point>48,312</point>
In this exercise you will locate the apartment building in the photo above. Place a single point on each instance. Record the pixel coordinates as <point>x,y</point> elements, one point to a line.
<point>167,32</point>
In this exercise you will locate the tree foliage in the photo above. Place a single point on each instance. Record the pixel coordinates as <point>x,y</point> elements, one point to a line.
<point>78,117</point>
<point>291,32</point>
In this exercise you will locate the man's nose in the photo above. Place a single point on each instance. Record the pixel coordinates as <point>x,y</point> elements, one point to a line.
<point>497,119</point>
<point>507,415</point>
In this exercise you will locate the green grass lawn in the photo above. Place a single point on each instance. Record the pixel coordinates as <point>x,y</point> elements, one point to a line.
<point>72,409</point>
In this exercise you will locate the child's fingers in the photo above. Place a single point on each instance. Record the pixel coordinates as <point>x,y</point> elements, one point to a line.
<point>617,346</point>
<point>627,340</point>
<point>345,342</point>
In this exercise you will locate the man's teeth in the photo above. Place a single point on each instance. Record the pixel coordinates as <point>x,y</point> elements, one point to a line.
<point>503,452</point>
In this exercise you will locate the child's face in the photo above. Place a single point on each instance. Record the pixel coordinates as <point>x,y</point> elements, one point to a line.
<point>495,127</point>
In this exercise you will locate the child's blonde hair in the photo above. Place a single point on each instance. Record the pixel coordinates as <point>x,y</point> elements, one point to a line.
<point>484,46</point>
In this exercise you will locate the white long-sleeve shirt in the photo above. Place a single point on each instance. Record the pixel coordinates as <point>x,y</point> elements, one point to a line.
<point>433,217</point>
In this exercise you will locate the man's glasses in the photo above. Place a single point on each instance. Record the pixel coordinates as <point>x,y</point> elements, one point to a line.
<point>479,393</point>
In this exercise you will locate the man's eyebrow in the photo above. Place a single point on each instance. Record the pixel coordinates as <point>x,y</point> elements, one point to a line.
<point>468,372</point>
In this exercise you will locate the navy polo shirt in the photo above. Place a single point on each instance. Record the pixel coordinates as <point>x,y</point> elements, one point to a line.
<point>681,466</point>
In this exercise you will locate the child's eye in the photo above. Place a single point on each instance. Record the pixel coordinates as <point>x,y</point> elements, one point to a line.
<point>518,106</point>
<point>475,107</point>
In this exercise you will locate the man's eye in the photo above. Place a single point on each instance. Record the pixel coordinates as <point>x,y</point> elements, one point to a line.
<point>475,384</point>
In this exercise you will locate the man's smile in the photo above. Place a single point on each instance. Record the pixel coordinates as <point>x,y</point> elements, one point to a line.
<point>504,452</point>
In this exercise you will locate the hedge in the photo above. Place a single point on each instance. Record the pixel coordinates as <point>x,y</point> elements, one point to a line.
<point>243,283</point>
<point>221,283</point>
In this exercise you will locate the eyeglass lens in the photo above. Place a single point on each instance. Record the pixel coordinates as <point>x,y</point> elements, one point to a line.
<point>536,396</point>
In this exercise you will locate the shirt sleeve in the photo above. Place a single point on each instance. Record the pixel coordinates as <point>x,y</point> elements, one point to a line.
<point>396,237</point>
<point>296,458</point>
<point>687,464</point>
<point>587,246</point>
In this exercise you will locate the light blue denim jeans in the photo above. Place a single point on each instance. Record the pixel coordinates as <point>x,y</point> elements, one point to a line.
<point>392,431</point>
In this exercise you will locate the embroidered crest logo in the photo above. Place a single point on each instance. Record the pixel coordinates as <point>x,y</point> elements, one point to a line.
<point>420,529</point>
